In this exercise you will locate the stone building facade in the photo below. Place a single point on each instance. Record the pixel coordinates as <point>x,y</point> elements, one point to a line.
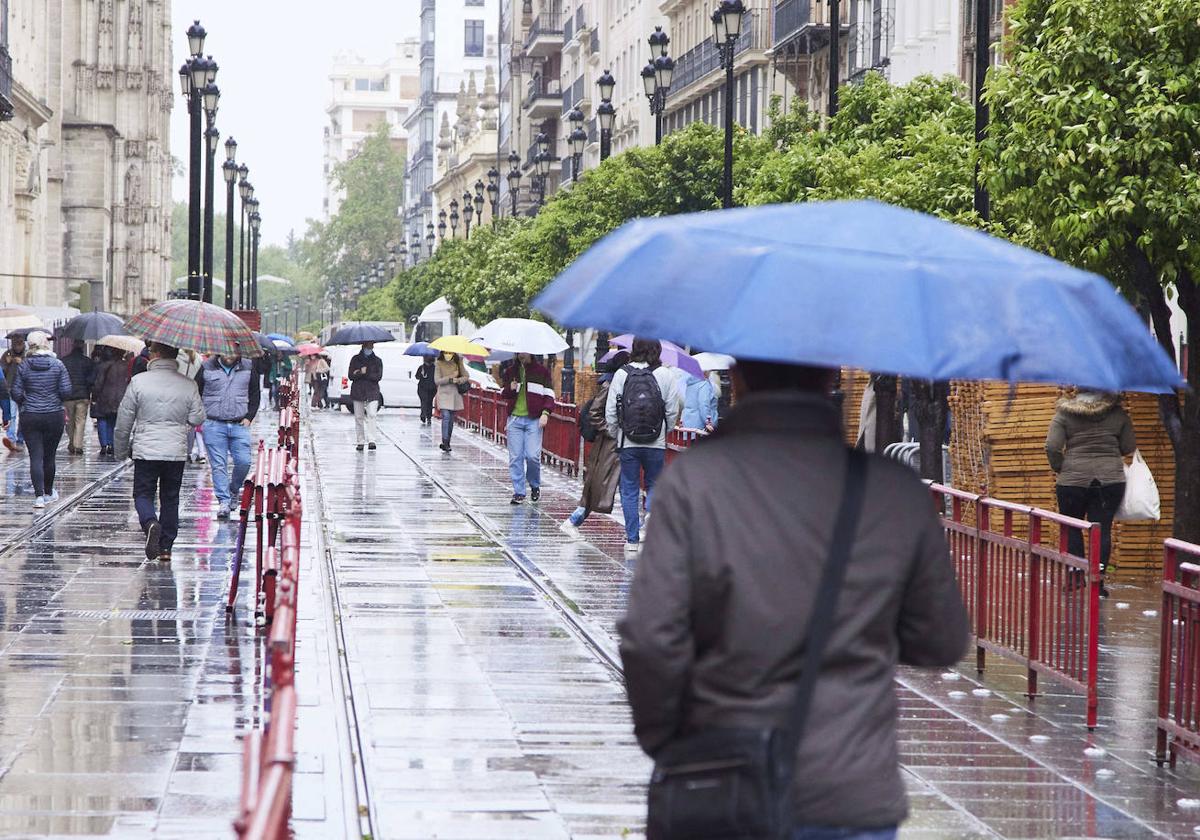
<point>85,162</point>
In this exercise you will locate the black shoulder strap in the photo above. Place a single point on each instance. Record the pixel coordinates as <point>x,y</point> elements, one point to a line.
<point>820,624</point>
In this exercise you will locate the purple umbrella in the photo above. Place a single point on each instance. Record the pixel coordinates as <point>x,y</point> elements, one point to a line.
<point>672,355</point>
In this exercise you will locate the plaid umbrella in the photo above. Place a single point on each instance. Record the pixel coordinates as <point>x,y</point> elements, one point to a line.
<point>194,325</point>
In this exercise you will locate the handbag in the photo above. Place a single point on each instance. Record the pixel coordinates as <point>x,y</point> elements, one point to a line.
<point>726,783</point>
<point>1141,500</point>
<point>463,387</point>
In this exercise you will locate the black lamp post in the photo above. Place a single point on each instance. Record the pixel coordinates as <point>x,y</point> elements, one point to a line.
<point>727,22</point>
<point>402,253</point>
<point>251,209</point>
<point>657,76</point>
<point>391,269</point>
<point>493,193</point>
<point>429,239</point>
<point>577,140</point>
<point>983,49</point>
<point>542,165</point>
<point>467,211</point>
<point>442,222</point>
<point>606,114</point>
<point>193,76</point>
<point>514,179</point>
<point>453,218</point>
<point>213,142</point>
<point>229,170</point>
<point>415,246</point>
<point>478,202</point>
<point>245,191</point>
<point>255,223</point>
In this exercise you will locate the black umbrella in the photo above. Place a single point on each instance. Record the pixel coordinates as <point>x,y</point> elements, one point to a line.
<point>264,342</point>
<point>23,332</point>
<point>92,326</point>
<point>359,333</point>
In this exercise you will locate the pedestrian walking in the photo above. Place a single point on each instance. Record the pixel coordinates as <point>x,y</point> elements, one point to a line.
<point>5,402</point>
<point>83,376</point>
<point>643,405</point>
<point>699,404</point>
<point>426,389</point>
<point>40,387</point>
<point>366,371</point>
<point>229,389</point>
<point>140,362</point>
<point>1088,437</point>
<point>602,470</point>
<point>112,378</point>
<point>787,580</point>
<point>452,380</point>
<point>529,393</point>
<point>320,381</point>
<point>189,363</point>
<point>158,408</point>
<point>14,440</point>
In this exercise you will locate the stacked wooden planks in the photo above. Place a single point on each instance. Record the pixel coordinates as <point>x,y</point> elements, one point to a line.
<point>854,383</point>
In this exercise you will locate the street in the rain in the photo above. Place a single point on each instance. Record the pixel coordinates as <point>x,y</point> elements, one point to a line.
<point>457,672</point>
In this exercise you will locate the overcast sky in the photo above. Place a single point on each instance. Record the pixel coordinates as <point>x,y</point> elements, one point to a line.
<point>274,59</point>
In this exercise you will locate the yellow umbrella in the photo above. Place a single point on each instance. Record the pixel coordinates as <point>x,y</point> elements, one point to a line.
<point>458,344</point>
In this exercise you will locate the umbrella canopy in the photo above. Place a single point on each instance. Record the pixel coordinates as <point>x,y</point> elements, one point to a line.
<point>284,347</point>
<point>862,284</point>
<point>305,336</point>
<point>17,318</point>
<point>263,342</point>
<point>672,355</point>
<point>521,335</point>
<point>310,349</point>
<point>458,344</point>
<point>358,334</point>
<point>195,325</point>
<point>91,326</point>
<point>126,343</point>
<point>714,361</point>
<point>419,348</point>
<point>281,337</point>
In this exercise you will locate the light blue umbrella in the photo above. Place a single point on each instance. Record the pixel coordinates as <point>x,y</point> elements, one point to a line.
<point>420,348</point>
<point>862,284</point>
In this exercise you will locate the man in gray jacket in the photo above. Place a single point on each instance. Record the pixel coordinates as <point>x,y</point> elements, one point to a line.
<point>159,407</point>
<point>229,387</point>
<point>724,589</point>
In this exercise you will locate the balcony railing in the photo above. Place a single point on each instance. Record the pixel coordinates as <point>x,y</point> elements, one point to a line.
<point>6,79</point>
<point>427,49</point>
<point>540,87</point>
<point>568,28</point>
<point>547,24</point>
<point>790,15</point>
<point>704,58</point>
<point>532,151</point>
<point>422,151</point>
<point>573,95</point>
<point>594,47</point>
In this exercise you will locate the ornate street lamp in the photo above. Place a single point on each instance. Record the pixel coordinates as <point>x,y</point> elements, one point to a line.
<point>727,25</point>
<point>467,211</point>
<point>213,139</point>
<point>245,191</point>
<point>657,76</point>
<point>229,170</point>
<point>429,238</point>
<point>453,218</point>
<point>441,228</point>
<point>255,224</point>
<point>196,35</point>
<point>493,193</point>
<point>606,114</point>
<point>479,188</point>
<point>577,140</point>
<point>514,178</point>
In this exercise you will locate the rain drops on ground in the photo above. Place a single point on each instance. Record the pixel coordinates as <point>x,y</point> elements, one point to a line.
<point>1095,752</point>
<point>1188,804</point>
<point>981,692</point>
<point>999,718</point>
<point>950,676</point>
<point>957,695</point>
<point>1150,613</point>
<point>1039,739</point>
<point>1104,773</point>
<point>1122,606</point>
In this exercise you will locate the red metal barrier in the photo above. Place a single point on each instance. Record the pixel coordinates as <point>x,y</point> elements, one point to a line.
<point>1029,600</point>
<point>1179,655</point>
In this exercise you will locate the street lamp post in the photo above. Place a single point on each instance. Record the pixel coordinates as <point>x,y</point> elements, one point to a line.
<point>255,222</point>
<point>245,190</point>
<point>727,22</point>
<point>657,76</point>
<point>493,192</point>
<point>229,171</point>
<point>453,223</point>
<point>606,114</point>
<point>467,211</point>
<point>514,179</point>
<point>577,140</point>
<point>542,165</point>
<point>415,245</point>
<point>983,49</point>
<point>213,138</point>
<point>429,237</point>
<point>453,218</point>
<point>193,77</point>
<point>478,202</point>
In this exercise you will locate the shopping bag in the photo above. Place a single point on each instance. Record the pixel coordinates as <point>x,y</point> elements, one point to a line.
<point>1141,493</point>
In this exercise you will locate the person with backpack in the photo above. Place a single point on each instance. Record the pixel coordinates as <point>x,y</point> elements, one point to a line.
<point>602,470</point>
<point>529,393</point>
<point>643,405</point>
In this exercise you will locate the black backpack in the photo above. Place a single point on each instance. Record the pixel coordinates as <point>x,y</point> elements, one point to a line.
<point>587,431</point>
<point>641,411</point>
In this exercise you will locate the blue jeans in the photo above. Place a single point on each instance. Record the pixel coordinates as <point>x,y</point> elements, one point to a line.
<point>222,440</point>
<point>524,453</point>
<point>14,428</point>
<point>636,461</point>
<point>104,430</point>
<point>447,425</point>
<point>818,832</point>
<point>578,516</point>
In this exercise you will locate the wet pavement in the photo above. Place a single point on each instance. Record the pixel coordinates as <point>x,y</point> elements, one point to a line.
<point>981,760</point>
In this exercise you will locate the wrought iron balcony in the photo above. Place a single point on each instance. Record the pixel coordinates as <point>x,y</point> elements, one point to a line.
<point>705,58</point>
<point>6,79</point>
<point>545,34</point>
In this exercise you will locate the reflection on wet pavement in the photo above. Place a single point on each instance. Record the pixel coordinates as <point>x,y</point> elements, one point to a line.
<point>980,759</point>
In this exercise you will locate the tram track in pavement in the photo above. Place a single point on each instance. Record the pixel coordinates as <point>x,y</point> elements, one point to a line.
<point>65,506</point>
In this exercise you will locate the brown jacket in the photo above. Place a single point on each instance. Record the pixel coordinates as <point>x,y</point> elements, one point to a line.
<point>603,468</point>
<point>1087,437</point>
<point>718,605</point>
<point>448,398</point>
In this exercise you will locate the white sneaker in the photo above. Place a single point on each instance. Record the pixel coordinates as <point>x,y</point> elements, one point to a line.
<point>633,548</point>
<point>570,529</point>
<point>53,497</point>
<point>39,502</point>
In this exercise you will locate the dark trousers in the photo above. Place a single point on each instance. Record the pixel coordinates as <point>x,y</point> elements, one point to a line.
<point>426,398</point>
<point>43,432</point>
<point>164,479</point>
<point>1096,503</point>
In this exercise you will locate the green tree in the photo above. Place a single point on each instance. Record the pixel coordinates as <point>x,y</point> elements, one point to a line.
<point>1093,156</point>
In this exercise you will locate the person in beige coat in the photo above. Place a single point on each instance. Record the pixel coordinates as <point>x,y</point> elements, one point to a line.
<point>449,373</point>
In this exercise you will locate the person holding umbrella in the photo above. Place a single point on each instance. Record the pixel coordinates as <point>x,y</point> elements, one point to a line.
<point>108,390</point>
<point>366,372</point>
<point>40,387</point>
<point>229,389</point>
<point>451,377</point>
<point>83,377</point>
<point>9,362</point>
<point>156,412</point>
<point>527,389</point>
<point>426,387</point>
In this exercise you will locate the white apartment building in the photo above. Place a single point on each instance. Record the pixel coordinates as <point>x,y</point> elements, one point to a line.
<point>927,39</point>
<point>361,96</point>
<point>458,41</point>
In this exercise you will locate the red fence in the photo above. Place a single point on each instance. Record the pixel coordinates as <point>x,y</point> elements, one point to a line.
<point>486,412</point>
<point>272,493</point>
<point>1030,599</point>
<point>1179,655</point>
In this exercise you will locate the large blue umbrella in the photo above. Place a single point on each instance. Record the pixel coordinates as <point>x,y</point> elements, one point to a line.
<point>281,337</point>
<point>420,348</point>
<point>359,333</point>
<point>862,284</point>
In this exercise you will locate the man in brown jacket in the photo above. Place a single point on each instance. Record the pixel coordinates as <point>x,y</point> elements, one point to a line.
<point>724,588</point>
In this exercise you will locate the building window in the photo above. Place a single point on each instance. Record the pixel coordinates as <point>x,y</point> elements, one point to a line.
<point>362,84</point>
<point>474,2</point>
<point>473,38</point>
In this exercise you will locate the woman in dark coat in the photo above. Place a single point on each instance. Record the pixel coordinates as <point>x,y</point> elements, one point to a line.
<point>426,388</point>
<point>107,392</point>
<point>602,470</point>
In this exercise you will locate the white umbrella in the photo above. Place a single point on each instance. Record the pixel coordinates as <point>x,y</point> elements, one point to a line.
<point>714,361</point>
<point>521,335</point>
<point>126,343</point>
<point>18,318</point>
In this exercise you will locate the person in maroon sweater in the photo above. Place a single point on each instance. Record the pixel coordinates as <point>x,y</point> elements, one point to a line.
<point>530,397</point>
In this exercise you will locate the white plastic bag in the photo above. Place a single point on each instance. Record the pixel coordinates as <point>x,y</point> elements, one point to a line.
<point>1141,493</point>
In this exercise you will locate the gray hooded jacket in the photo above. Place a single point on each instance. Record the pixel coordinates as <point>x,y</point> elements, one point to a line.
<point>156,412</point>
<point>1087,438</point>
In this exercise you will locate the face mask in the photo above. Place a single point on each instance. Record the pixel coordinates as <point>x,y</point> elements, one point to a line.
<point>448,357</point>
<point>368,352</point>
